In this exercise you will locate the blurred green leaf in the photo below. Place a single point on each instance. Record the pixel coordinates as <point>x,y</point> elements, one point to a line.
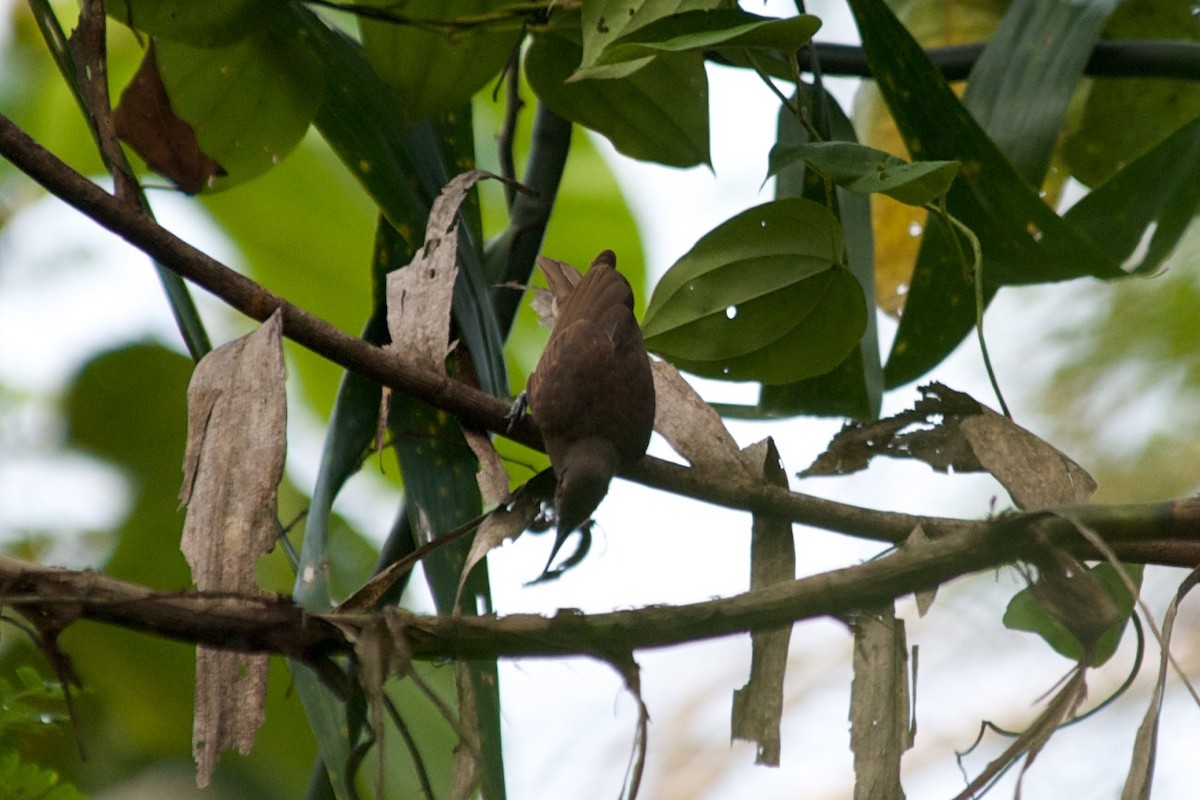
<point>1025,613</point>
<point>213,23</point>
<point>1023,82</point>
<point>1123,118</point>
<point>1141,212</point>
<point>1023,240</point>
<point>249,102</point>
<point>435,72</point>
<point>697,31</point>
<point>763,296</point>
<point>402,169</point>
<point>864,169</point>
<point>660,113</point>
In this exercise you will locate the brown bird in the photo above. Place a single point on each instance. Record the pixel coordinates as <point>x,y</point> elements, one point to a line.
<point>592,393</point>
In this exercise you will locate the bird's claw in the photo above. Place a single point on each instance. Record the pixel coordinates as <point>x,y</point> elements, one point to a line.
<point>516,412</point>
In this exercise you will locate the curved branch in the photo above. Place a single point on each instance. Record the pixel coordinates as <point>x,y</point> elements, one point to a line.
<point>473,407</point>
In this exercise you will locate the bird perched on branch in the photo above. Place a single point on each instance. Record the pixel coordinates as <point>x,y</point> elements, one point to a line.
<point>592,393</point>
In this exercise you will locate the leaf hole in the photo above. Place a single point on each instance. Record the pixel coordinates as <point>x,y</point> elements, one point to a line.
<point>1034,231</point>
<point>731,312</point>
<point>914,229</point>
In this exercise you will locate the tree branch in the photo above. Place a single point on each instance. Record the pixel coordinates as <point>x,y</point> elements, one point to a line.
<point>277,625</point>
<point>1158,523</point>
<point>1129,58</point>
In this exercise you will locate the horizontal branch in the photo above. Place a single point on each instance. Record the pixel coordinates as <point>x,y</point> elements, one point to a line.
<point>1125,58</point>
<point>273,624</point>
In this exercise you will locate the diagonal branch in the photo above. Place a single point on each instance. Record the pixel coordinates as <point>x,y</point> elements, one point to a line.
<point>1164,533</point>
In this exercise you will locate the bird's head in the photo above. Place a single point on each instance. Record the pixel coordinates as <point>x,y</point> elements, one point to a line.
<point>583,478</point>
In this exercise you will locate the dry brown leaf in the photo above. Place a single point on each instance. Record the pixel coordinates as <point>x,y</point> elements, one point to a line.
<point>237,411</point>
<point>491,477</point>
<point>925,597</point>
<point>879,709</point>
<point>167,144</point>
<point>508,521</point>
<point>950,430</point>
<point>1035,474</point>
<point>758,706</point>
<point>1141,768</point>
<point>691,426</point>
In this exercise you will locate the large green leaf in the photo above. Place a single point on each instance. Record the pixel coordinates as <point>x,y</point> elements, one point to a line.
<point>435,72</point>
<point>864,169</point>
<point>249,102</point>
<point>698,31</point>
<point>212,23</point>
<point>764,296</point>
<point>659,113</point>
<point>855,387</point>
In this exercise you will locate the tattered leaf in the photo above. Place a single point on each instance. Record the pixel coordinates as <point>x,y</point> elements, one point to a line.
<point>237,412</point>
<point>879,707</point>
<point>864,169</point>
<point>950,430</point>
<point>763,296</point>
<point>758,706</point>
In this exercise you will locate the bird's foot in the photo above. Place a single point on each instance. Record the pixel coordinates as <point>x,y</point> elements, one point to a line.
<point>516,412</point>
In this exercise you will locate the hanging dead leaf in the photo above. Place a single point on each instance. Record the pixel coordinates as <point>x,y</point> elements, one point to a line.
<point>691,426</point>
<point>508,521</point>
<point>236,443</point>
<point>950,430</point>
<point>879,708</point>
<point>758,706</point>
<point>167,144</point>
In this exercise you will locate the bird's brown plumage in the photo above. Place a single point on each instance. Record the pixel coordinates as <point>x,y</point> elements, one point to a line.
<point>592,393</point>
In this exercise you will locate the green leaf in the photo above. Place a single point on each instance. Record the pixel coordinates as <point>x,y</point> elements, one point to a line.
<point>1123,118</point>
<point>1025,613</point>
<point>249,102</point>
<point>660,113</point>
<point>697,31</point>
<point>1022,84</point>
<point>602,22</point>
<point>855,387</point>
<point>1150,202</point>
<point>1023,240</point>
<point>212,23</point>
<point>434,72</point>
<point>864,169</point>
<point>763,296</point>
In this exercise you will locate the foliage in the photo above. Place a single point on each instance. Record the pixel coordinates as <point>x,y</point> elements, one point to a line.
<point>318,137</point>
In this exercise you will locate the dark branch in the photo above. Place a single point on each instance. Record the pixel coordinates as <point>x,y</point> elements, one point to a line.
<point>1131,58</point>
